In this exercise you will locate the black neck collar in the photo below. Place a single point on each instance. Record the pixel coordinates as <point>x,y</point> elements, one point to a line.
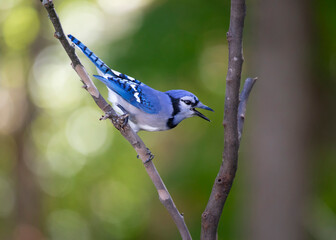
<point>176,109</point>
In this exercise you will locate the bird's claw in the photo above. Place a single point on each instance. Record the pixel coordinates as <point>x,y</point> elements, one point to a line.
<point>106,116</point>
<point>121,121</point>
<point>118,121</point>
<point>150,157</point>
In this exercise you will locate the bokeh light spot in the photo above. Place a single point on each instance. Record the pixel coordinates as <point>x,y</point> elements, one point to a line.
<point>21,27</point>
<point>84,20</point>
<point>53,85</point>
<point>85,133</point>
<point>61,159</point>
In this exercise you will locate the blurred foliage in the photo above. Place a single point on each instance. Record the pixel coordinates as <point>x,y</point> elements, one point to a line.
<point>20,27</point>
<point>92,186</point>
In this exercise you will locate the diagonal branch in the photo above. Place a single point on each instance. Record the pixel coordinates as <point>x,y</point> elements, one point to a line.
<point>233,125</point>
<point>136,142</point>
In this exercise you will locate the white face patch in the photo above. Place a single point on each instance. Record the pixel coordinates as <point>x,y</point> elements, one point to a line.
<point>187,101</point>
<point>186,105</point>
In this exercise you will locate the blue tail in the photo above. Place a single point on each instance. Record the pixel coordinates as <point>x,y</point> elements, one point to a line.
<point>98,62</point>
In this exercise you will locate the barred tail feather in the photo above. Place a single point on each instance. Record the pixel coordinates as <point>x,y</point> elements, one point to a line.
<point>103,68</point>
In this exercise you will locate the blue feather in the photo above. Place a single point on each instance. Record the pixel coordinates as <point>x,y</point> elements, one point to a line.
<point>98,62</point>
<point>133,93</point>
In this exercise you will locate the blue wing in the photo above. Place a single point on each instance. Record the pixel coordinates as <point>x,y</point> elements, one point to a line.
<point>139,95</point>
<point>99,63</point>
<point>130,89</point>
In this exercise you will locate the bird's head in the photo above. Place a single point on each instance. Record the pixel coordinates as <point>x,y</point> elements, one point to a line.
<point>185,104</point>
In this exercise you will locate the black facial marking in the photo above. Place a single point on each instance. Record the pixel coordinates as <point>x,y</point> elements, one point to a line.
<point>175,103</point>
<point>196,102</point>
<point>170,123</point>
<point>188,102</point>
<point>176,110</point>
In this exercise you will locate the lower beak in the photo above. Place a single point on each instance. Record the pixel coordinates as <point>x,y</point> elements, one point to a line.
<point>197,113</point>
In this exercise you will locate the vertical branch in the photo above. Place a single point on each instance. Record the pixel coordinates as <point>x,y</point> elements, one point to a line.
<point>227,171</point>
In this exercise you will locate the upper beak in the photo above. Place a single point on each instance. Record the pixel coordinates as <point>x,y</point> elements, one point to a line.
<point>197,113</point>
<point>201,105</point>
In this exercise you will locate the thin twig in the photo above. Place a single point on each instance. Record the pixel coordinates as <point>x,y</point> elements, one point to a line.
<point>245,93</point>
<point>227,171</point>
<point>138,145</point>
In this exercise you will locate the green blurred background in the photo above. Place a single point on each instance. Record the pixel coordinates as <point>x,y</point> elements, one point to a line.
<point>66,175</point>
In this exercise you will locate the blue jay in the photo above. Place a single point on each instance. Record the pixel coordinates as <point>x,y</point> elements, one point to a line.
<point>148,109</point>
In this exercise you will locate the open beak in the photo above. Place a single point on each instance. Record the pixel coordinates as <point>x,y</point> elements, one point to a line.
<point>197,113</point>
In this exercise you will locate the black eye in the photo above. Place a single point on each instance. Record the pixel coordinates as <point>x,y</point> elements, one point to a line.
<point>187,102</point>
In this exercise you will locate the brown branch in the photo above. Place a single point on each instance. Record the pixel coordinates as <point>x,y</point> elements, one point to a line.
<point>227,171</point>
<point>138,145</point>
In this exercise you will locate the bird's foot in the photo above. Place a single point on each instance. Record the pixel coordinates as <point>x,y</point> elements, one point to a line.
<point>118,121</point>
<point>121,121</point>
<point>150,156</point>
